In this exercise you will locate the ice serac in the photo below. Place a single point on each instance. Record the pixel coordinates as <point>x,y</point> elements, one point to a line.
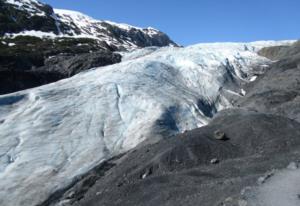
<point>51,134</point>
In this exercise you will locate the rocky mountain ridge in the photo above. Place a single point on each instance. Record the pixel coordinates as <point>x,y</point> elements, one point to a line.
<point>32,34</point>
<point>33,18</point>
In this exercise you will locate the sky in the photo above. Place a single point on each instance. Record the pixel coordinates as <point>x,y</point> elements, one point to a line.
<point>195,21</point>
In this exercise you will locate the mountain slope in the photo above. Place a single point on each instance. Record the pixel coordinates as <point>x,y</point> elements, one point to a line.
<point>52,134</point>
<point>40,45</point>
<point>20,15</point>
<point>122,36</point>
<point>33,18</point>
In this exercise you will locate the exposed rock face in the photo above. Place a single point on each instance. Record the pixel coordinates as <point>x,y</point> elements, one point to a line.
<point>26,52</point>
<point>27,62</point>
<point>11,81</point>
<point>55,68</point>
<point>67,65</point>
<point>18,15</point>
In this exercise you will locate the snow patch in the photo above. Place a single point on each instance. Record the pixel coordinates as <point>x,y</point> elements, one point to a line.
<point>253,78</point>
<point>11,44</point>
<point>243,92</point>
<point>34,33</point>
<point>99,29</point>
<point>281,189</point>
<point>78,25</point>
<point>28,5</point>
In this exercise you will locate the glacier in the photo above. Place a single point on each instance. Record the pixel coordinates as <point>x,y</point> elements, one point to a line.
<point>51,134</point>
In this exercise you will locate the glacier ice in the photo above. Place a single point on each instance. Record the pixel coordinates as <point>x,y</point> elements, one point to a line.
<point>51,134</point>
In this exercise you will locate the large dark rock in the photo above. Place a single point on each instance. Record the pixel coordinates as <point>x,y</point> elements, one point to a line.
<point>178,170</point>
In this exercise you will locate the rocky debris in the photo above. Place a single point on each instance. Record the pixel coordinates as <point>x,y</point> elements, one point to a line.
<point>77,190</point>
<point>278,90</point>
<point>280,52</point>
<point>180,174</point>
